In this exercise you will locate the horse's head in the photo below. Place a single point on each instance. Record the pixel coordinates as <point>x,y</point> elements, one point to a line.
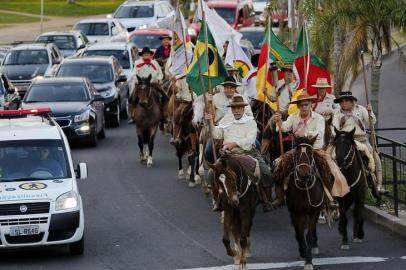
<point>198,111</point>
<point>144,91</point>
<point>303,158</point>
<point>344,150</point>
<point>228,174</point>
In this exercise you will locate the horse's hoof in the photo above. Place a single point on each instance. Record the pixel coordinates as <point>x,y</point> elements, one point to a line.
<point>248,253</point>
<point>345,247</point>
<point>315,251</point>
<point>322,220</point>
<point>149,162</point>
<point>236,260</point>
<point>357,240</point>
<point>243,267</point>
<point>201,170</point>
<point>181,174</point>
<point>198,180</point>
<point>189,171</point>
<point>308,267</point>
<point>192,184</point>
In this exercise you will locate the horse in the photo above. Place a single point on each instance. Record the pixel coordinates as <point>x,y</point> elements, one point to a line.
<point>304,194</point>
<point>351,165</point>
<point>186,141</point>
<point>239,197</point>
<point>146,115</point>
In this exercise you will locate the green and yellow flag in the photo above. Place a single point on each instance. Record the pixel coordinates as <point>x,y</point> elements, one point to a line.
<point>198,72</point>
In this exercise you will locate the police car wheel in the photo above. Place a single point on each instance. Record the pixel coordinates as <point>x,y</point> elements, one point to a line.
<point>77,248</point>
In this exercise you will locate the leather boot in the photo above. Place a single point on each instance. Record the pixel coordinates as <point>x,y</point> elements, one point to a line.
<point>280,197</point>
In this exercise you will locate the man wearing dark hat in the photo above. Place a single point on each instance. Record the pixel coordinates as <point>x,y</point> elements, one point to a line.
<point>162,52</point>
<point>239,134</point>
<point>233,72</point>
<point>352,115</point>
<point>285,89</point>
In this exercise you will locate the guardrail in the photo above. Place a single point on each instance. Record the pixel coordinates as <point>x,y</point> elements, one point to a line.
<point>393,156</point>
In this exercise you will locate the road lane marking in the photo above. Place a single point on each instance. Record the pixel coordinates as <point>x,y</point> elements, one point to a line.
<point>316,261</point>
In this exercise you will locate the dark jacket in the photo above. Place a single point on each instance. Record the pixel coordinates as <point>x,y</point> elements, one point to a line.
<point>160,52</point>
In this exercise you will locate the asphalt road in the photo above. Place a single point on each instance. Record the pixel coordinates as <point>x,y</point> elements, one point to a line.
<point>145,218</point>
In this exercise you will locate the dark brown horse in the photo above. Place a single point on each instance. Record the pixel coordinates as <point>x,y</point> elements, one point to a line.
<point>304,194</point>
<point>146,115</point>
<point>350,162</point>
<point>239,197</point>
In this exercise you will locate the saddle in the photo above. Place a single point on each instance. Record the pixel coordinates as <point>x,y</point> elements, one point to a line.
<point>249,165</point>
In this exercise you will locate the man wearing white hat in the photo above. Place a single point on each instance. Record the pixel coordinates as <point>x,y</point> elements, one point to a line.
<point>324,104</point>
<point>285,89</point>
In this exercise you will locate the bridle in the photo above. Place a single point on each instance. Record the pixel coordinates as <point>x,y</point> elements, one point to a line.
<point>309,183</point>
<point>348,161</point>
<point>241,191</point>
<point>146,105</point>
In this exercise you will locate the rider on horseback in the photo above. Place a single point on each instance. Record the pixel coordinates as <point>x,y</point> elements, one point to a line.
<point>352,115</point>
<point>233,72</point>
<point>307,123</point>
<point>144,67</point>
<point>239,134</point>
<point>324,105</point>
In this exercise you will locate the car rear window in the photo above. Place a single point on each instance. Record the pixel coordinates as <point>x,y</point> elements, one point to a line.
<point>228,14</point>
<point>93,29</point>
<point>62,42</point>
<point>142,41</point>
<point>59,92</point>
<point>120,55</point>
<point>27,57</point>
<point>256,37</point>
<point>95,72</point>
<point>143,11</point>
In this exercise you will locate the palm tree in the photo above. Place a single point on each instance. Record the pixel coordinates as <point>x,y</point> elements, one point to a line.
<point>364,25</point>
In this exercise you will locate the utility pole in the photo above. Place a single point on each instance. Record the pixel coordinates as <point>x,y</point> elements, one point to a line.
<point>42,16</point>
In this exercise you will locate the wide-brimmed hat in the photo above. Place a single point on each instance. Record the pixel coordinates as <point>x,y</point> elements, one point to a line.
<point>229,81</point>
<point>321,83</point>
<point>287,66</point>
<point>165,36</point>
<point>237,101</point>
<point>145,50</point>
<point>345,95</point>
<point>231,68</point>
<point>303,97</point>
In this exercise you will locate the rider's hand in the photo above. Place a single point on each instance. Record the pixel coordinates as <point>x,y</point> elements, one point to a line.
<point>277,117</point>
<point>229,146</point>
<point>208,116</point>
<point>369,107</point>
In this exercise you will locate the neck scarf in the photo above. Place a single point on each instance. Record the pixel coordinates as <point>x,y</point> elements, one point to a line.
<point>244,119</point>
<point>301,127</point>
<point>148,63</point>
<point>167,51</point>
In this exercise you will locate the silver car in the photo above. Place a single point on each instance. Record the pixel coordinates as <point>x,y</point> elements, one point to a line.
<point>101,30</point>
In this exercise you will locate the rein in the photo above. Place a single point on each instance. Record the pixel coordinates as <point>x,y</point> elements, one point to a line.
<point>352,154</point>
<point>148,105</point>
<point>239,186</point>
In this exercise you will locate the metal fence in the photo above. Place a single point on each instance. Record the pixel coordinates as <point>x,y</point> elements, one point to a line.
<point>393,156</point>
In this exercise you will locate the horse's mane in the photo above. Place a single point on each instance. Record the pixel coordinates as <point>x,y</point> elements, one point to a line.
<point>301,140</point>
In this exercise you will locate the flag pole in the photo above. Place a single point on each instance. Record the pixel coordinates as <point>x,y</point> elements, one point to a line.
<point>371,126</point>
<point>264,92</point>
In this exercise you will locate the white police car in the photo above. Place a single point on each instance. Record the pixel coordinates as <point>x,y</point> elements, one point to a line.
<point>40,202</point>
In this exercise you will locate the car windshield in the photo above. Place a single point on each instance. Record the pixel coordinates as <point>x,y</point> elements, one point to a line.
<point>120,55</point>
<point>33,160</point>
<point>58,92</point>
<point>151,41</point>
<point>228,14</point>
<point>96,73</point>
<point>143,11</point>
<point>93,29</point>
<point>62,42</point>
<point>27,57</point>
<point>256,37</point>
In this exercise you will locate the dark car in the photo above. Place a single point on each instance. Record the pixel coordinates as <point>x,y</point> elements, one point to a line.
<point>108,78</point>
<point>255,35</point>
<point>68,43</point>
<point>75,104</point>
<point>25,62</point>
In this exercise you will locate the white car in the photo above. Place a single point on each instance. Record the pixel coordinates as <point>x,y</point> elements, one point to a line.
<point>100,30</point>
<point>259,6</point>
<point>125,53</point>
<point>144,14</point>
<point>40,203</point>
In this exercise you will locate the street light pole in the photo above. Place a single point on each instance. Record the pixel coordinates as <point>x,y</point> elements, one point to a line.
<point>42,16</point>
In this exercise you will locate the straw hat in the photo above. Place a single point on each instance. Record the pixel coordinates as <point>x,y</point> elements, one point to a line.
<point>237,101</point>
<point>345,95</point>
<point>287,66</point>
<point>303,97</point>
<point>321,83</point>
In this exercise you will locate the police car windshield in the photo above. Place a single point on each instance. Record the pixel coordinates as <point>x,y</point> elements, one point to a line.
<point>121,55</point>
<point>33,160</point>
<point>96,73</point>
<point>27,57</point>
<point>58,92</point>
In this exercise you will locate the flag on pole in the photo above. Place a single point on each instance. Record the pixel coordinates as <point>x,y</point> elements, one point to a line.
<point>215,71</point>
<point>237,58</point>
<point>179,58</point>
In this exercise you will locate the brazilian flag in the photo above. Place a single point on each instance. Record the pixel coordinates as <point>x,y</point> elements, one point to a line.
<point>198,70</point>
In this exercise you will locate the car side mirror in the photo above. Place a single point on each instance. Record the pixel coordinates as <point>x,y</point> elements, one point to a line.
<point>81,47</point>
<point>121,78</point>
<point>81,171</point>
<point>56,62</point>
<point>98,97</point>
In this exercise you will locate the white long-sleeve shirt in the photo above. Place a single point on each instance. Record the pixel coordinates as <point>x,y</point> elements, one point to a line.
<point>243,132</point>
<point>145,70</point>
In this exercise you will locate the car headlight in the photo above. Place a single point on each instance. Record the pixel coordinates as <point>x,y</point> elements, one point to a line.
<point>143,26</point>
<point>82,117</point>
<point>66,201</point>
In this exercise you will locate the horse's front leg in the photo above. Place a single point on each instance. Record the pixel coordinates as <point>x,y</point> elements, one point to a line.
<point>141,147</point>
<point>151,146</point>
<point>299,225</point>
<point>358,230</point>
<point>311,240</point>
<point>227,232</point>
<point>181,173</point>
<point>244,238</point>
<point>191,162</point>
<point>342,223</point>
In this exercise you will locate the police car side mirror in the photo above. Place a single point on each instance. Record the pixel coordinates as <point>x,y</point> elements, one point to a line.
<point>81,171</point>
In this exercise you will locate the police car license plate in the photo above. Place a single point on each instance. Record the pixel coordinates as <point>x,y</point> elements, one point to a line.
<point>24,230</point>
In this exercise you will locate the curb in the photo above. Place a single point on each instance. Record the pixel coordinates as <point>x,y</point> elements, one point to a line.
<point>382,218</point>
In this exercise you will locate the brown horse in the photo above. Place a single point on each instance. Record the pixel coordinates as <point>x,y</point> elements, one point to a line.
<point>304,194</point>
<point>350,162</point>
<point>146,115</point>
<point>239,198</point>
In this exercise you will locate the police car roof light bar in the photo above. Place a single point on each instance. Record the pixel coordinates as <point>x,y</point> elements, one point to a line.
<point>19,113</point>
